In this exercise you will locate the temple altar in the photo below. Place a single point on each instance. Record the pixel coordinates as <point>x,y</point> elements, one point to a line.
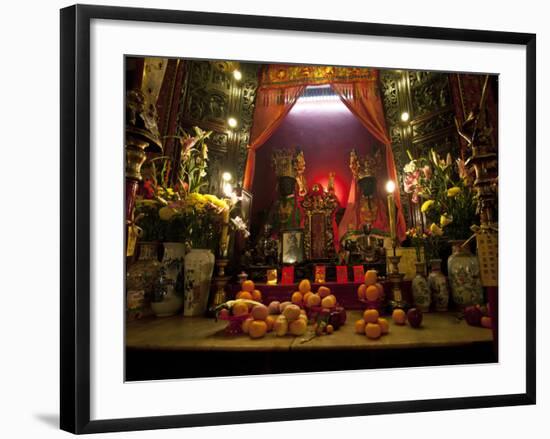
<point>279,204</point>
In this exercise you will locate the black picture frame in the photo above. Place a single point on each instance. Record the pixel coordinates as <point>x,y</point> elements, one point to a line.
<point>246,207</point>
<point>299,256</point>
<point>75,217</point>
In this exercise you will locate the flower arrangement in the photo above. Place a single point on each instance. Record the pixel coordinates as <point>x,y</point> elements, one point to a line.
<point>179,212</point>
<point>444,193</point>
<point>427,241</point>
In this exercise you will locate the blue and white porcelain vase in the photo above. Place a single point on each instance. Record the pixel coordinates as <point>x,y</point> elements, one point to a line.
<point>171,300</point>
<point>438,286</point>
<point>420,290</point>
<point>464,276</point>
<point>198,266</point>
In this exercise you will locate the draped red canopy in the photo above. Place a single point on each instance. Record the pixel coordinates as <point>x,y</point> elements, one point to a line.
<point>281,86</point>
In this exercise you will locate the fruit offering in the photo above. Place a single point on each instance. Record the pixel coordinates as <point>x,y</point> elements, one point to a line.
<point>372,325</point>
<point>249,292</point>
<point>478,315</point>
<point>238,312</point>
<point>286,318</point>
<point>399,317</point>
<point>371,291</point>
<point>414,316</point>
<point>321,307</point>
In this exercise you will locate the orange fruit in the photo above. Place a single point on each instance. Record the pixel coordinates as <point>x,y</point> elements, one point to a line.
<point>246,324</point>
<point>371,315</point>
<point>328,302</point>
<point>384,325</point>
<point>257,295</point>
<point>304,299</point>
<point>399,316</point>
<point>314,300</point>
<point>371,277</point>
<point>240,309</point>
<point>372,293</point>
<point>380,289</point>
<point>270,321</point>
<point>360,326</point>
<point>296,298</point>
<point>373,330</point>
<point>257,328</point>
<point>304,286</point>
<point>248,285</point>
<point>361,291</point>
<point>330,329</point>
<point>292,312</point>
<point>244,295</point>
<point>280,326</point>
<point>323,291</point>
<point>486,322</point>
<point>297,327</point>
<point>259,312</point>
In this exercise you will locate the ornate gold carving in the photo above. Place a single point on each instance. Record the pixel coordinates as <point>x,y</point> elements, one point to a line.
<point>300,169</point>
<point>319,206</point>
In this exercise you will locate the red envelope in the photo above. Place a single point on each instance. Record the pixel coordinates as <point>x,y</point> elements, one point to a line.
<point>358,273</point>
<point>287,277</point>
<point>342,274</point>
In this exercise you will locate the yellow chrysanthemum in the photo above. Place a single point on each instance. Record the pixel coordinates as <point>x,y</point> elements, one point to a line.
<point>427,205</point>
<point>436,230</point>
<point>453,192</point>
<point>219,203</point>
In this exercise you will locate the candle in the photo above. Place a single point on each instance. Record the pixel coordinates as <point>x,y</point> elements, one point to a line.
<point>390,188</point>
<point>224,239</point>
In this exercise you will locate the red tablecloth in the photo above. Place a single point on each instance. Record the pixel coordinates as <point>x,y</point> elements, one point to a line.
<point>346,293</point>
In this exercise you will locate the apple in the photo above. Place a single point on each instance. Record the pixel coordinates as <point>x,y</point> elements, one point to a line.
<point>472,315</point>
<point>337,317</point>
<point>414,316</point>
<point>274,307</point>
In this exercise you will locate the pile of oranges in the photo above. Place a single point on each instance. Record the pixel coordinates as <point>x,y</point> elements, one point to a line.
<point>372,325</point>
<point>284,318</point>
<point>371,290</point>
<point>304,297</point>
<point>249,292</point>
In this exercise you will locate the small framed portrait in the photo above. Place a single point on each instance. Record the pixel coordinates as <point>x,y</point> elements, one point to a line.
<point>246,207</point>
<point>292,246</point>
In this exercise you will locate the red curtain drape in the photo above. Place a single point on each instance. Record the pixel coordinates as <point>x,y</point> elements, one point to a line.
<point>358,88</point>
<point>268,116</point>
<point>363,100</point>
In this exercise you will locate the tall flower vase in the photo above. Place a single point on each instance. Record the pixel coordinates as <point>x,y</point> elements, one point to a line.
<point>464,277</point>
<point>420,290</point>
<point>438,286</point>
<point>198,266</point>
<point>170,300</point>
<point>140,281</point>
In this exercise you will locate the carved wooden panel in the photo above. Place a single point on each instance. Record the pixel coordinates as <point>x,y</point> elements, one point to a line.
<point>427,98</point>
<point>211,96</point>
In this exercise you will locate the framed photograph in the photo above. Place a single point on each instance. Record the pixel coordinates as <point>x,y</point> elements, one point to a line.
<point>246,206</point>
<point>145,123</point>
<point>292,246</point>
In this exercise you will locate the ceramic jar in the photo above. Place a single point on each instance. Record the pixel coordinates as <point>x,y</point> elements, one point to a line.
<point>140,280</point>
<point>464,276</point>
<point>168,297</point>
<point>438,286</point>
<point>198,266</point>
<point>420,290</point>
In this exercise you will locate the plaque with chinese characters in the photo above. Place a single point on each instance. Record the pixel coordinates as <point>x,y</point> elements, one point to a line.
<point>487,253</point>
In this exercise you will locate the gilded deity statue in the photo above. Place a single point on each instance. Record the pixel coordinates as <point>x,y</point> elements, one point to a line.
<point>289,166</point>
